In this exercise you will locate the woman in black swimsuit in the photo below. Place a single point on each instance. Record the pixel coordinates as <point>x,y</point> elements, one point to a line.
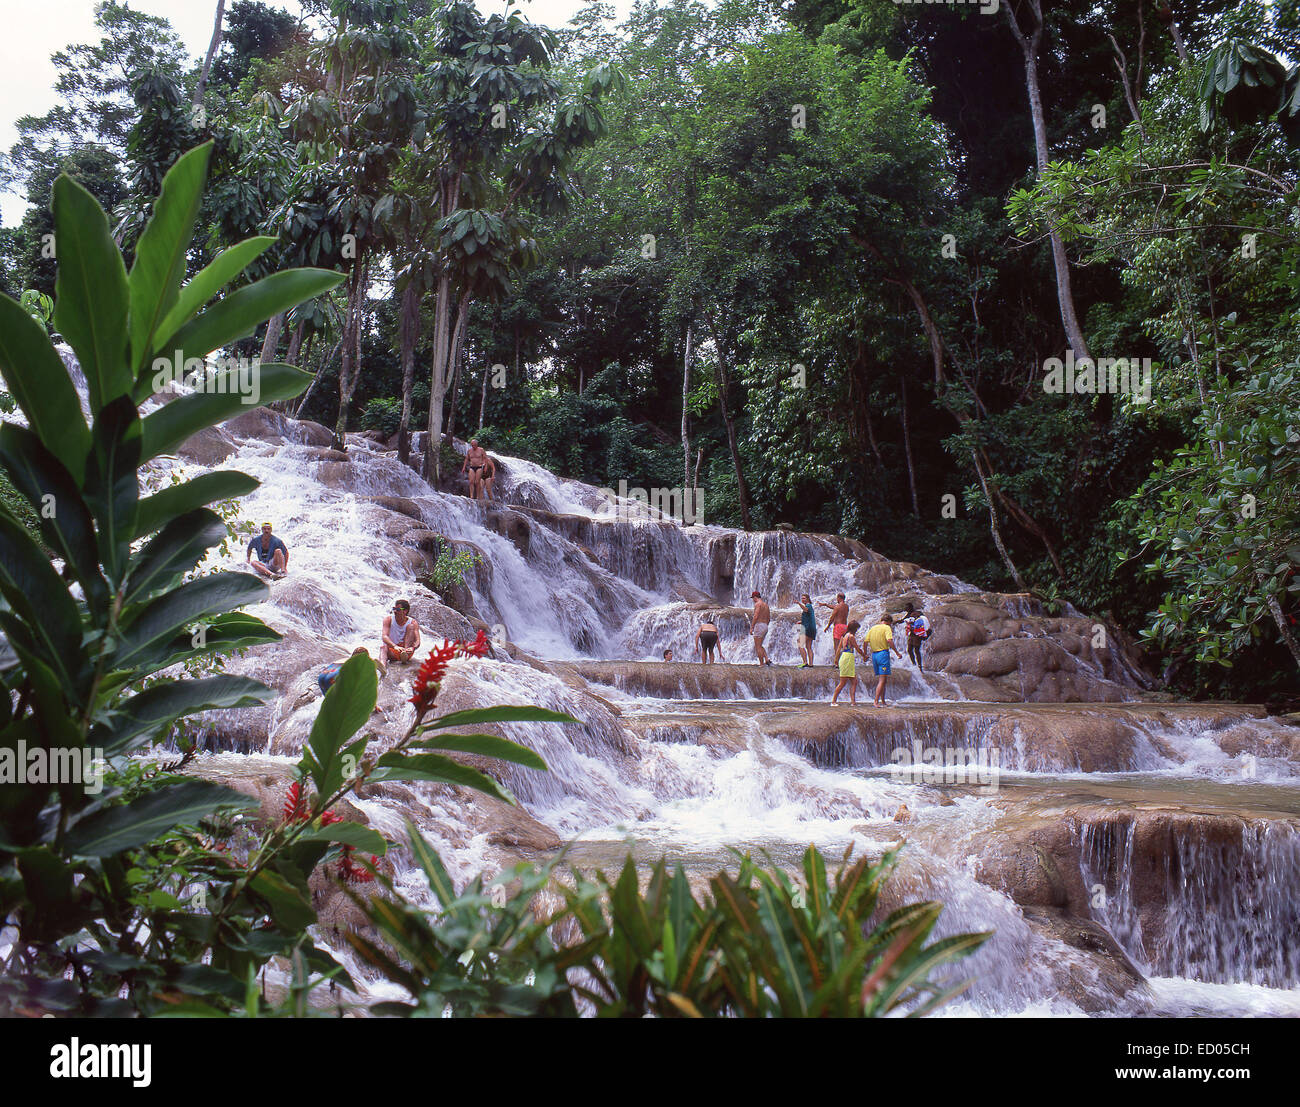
<point>706,640</point>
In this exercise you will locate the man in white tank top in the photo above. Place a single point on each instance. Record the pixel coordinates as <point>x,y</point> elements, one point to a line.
<point>400,634</point>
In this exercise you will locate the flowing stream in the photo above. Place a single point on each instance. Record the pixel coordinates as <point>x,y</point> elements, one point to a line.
<point>1204,899</point>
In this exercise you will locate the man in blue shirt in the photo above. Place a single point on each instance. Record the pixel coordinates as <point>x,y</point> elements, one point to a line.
<point>268,555</point>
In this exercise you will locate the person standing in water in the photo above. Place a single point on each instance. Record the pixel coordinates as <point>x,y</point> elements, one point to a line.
<point>807,630</point>
<point>400,634</point>
<point>880,640</point>
<point>918,630</point>
<point>707,640</point>
<point>758,625</point>
<point>847,664</point>
<point>489,475</point>
<point>476,460</point>
<point>836,623</point>
<point>268,555</point>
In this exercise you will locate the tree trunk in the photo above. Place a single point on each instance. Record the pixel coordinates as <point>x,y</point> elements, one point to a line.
<point>212,53</point>
<point>409,335</point>
<point>994,528</point>
<point>350,363</point>
<point>295,345</point>
<point>320,369</point>
<point>457,362</point>
<point>724,381</point>
<point>457,356</point>
<point>482,403</point>
<point>907,448</point>
<point>898,277</point>
<point>1275,609</point>
<point>686,391</point>
<point>1064,293</point>
<point>438,381</point>
<point>271,340</point>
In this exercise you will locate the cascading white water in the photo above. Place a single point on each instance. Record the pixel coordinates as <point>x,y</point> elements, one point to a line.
<point>569,579</point>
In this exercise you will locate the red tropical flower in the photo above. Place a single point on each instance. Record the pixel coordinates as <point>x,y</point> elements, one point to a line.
<point>434,668</point>
<point>295,804</point>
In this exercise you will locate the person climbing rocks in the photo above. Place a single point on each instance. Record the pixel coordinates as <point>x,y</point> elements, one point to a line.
<point>918,630</point>
<point>707,640</point>
<point>268,555</point>
<point>758,627</point>
<point>845,648</point>
<point>807,630</point>
<point>880,640</point>
<point>400,633</point>
<point>836,623</point>
<point>476,461</point>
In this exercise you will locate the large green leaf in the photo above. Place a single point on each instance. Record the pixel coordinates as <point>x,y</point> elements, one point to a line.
<point>223,269</point>
<point>167,701</point>
<point>111,830</point>
<point>221,634</point>
<point>157,510</point>
<point>486,745</point>
<point>289,907</point>
<point>345,709</point>
<point>349,834</point>
<point>91,300</point>
<point>162,249</point>
<point>112,482</point>
<point>41,600</point>
<point>190,602</point>
<point>39,382</point>
<point>438,769</point>
<point>173,423</point>
<point>239,314</point>
<point>173,551</point>
<point>65,523</point>
<point>479,715</point>
<point>440,882</point>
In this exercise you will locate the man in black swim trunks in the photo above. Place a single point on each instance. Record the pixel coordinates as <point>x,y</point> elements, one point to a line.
<point>706,641</point>
<point>476,461</point>
<point>268,555</point>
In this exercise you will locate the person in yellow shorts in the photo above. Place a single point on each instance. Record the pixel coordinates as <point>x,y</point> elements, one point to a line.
<point>880,640</point>
<point>847,644</point>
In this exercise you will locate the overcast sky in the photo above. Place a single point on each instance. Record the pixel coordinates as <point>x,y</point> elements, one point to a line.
<point>32,30</point>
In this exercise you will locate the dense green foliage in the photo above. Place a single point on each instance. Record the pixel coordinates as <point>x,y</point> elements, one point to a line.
<point>816,251</point>
<point>759,943</point>
<point>113,899</point>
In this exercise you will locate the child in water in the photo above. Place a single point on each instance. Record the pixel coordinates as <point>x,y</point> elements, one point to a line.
<point>847,645</point>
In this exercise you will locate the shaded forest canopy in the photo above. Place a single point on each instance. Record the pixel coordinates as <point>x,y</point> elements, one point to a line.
<point>818,255</point>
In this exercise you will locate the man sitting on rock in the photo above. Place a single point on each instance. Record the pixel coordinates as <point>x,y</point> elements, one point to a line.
<point>400,633</point>
<point>268,555</point>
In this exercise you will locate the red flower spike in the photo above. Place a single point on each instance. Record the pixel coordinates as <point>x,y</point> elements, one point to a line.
<point>295,804</point>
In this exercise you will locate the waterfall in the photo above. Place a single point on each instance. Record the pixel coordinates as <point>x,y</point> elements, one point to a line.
<point>1183,817</point>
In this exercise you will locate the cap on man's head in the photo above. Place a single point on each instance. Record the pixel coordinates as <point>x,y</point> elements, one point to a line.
<point>266,526</point>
